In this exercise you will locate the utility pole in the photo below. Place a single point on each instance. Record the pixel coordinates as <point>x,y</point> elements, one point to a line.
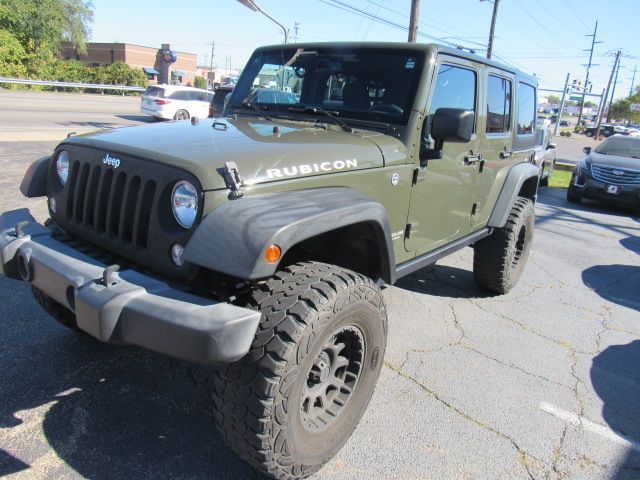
<point>606,95</point>
<point>211,64</point>
<point>589,65</point>
<point>296,27</point>
<point>633,80</point>
<point>413,21</point>
<point>613,91</point>
<point>564,94</point>
<point>493,27</point>
<point>601,105</point>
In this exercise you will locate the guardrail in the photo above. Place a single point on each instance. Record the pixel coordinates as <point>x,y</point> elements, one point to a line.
<point>52,83</point>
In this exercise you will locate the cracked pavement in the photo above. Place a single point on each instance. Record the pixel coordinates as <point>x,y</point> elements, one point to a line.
<point>542,383</point>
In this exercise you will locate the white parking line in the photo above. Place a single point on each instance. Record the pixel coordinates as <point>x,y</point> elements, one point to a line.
<point>593,427</point>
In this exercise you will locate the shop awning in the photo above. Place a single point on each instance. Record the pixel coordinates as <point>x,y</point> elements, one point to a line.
<point>150,71</point>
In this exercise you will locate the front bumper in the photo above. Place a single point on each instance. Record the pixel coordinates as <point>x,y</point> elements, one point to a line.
<point>128,307</point>
<point>585,186</point>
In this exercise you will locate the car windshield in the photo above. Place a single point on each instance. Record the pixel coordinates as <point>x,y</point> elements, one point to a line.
<point>354,83</point>
<point>621,146</point>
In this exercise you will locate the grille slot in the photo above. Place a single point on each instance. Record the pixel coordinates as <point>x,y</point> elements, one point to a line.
<point>113,204</point>
<point>605,173</point>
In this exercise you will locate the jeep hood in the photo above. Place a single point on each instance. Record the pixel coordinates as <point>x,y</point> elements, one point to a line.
<point>264,151</point>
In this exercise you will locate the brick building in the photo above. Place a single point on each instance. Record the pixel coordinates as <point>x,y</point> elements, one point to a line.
<point>182,71</point>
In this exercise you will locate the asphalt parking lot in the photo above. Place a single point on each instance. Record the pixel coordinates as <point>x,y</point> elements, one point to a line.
<point>542,383</point>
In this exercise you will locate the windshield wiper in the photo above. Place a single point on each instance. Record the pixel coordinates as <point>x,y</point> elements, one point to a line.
<point>253,106</point>
<point>330,115</point>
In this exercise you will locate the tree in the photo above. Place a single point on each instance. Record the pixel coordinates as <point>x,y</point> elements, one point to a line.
<point>590,104</point>
<point>12,56</point>
<point>621,108</point>
<point>553,99</point>
<point>200,82</point>
<point>39,24</point>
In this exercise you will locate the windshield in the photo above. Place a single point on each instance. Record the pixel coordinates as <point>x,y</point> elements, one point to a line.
<point>621,146</point>
<point>367,84</point>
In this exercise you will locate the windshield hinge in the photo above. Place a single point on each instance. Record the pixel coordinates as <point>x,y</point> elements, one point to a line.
<point>233,179</point>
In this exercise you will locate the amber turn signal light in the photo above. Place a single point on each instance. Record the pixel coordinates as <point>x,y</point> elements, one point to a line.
<point>272,254</point>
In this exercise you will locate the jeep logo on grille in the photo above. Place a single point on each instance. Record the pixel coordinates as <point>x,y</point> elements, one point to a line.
<point>109,160</point>
<point>618,172</point>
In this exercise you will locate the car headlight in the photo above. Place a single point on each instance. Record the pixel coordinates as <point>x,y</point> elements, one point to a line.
<point>584,167</point>
<point>184,203</point>
<point>62,166</point>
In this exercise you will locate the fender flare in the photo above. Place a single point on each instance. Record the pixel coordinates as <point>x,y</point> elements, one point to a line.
<point>232,238</point>
<point>512,186</point>
<point>34,182</point>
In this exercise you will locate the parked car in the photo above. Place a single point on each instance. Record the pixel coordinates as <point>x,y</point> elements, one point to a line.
<point>175,102</point>
<point>541,120</point>
<point>564,123</point>
<point>609,173</point>
<point>605,130</point>
<point>633,132</point>
<point>260,246</point>
<point>545,155</point>
<point>217,101</point>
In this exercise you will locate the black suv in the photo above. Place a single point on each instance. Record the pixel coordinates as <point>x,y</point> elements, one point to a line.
<point>610,173</point>
<point>217,102</point>
<point>605,130</point>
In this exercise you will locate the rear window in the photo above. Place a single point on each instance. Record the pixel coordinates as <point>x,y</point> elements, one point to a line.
<point>526,109</point>
<point>154,92</point>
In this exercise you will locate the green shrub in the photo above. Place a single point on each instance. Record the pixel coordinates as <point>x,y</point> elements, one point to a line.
<point>200,82</point>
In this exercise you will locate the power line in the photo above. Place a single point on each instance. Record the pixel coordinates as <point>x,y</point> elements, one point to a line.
<point>576,14</point>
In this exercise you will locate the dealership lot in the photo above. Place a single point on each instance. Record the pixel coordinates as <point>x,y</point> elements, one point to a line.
<point>540,383</point>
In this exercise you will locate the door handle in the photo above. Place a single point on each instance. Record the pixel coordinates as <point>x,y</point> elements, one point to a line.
<point>506,154</point>
<point>471,159</point>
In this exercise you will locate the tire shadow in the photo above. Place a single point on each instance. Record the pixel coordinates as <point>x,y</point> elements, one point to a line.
<point>115,412</point>
<point>443,281</point>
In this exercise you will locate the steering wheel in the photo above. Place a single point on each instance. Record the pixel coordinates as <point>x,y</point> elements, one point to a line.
<point>388,108</point>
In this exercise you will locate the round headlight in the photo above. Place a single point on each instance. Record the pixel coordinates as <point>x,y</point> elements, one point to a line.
<point>184,203</point>
<point>62,166</point>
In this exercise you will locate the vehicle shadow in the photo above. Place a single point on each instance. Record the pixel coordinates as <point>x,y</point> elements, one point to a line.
<point>615,375</point>
<point>443,281</point>
<point>615,372</point>
<point>138,118</point>
<point>107,411</point>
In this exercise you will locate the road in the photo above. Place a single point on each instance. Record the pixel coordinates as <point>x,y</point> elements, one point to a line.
<point>49,116</point>
<point>542,383</point>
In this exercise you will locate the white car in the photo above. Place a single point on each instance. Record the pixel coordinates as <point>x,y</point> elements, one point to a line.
<point>174,102</point>
<point>633,132</point>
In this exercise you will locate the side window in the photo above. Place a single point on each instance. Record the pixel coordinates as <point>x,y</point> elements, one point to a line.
<point>455,88</point>
<point>498,104</point>
<point>180,95</point>
<point>526,109</point>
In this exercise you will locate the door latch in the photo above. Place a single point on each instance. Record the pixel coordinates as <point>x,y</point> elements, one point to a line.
<point>233,179</point>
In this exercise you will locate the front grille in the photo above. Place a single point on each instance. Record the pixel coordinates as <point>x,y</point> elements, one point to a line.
<point>123,210</point>
<point>111,203</point>
<point>615,175</point>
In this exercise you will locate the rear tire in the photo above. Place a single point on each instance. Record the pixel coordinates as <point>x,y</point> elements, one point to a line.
<point>181,115</point>
<point>291,403</point>
<point>544,181</point>
<point>499,259</point>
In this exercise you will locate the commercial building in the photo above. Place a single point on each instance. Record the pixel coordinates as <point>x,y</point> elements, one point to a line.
<point>182,71</point>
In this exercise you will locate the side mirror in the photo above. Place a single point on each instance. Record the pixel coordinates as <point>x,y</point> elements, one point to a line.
<point>448,125</point>
<point>586,150</point>
<point>552,146</point>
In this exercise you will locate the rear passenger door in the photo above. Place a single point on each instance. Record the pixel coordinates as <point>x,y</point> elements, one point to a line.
<point>495,134</point>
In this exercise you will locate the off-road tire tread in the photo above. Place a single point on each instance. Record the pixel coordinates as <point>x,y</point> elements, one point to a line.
<point>492,255</point>
<point>245,407</point>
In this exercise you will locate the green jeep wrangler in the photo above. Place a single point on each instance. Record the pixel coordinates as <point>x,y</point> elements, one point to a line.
<point>258,242</point>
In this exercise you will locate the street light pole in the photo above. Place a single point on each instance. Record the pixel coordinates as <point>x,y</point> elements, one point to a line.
<point>252,5</point>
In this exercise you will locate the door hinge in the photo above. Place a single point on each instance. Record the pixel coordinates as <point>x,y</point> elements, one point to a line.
<point>474,209</point>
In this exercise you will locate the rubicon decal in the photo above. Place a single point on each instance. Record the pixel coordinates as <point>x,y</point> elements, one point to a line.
<point>311,168</point>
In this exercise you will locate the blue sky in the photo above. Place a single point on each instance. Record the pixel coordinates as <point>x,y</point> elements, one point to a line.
<point>542,36</point>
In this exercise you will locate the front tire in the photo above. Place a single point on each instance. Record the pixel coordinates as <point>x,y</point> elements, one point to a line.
<point>572,197</point>
<point>291,403</point>
<point>499,259</point>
